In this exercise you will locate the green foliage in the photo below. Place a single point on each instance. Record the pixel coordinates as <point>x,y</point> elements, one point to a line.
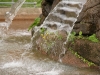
<point>83,59</point>
<point>80,36</point>
<point>42,30</point>
<point>93,38</point>
<point>17,0</point>
<point>25,5</point>
<point>80,33</point>
<point>7,0</point>
<point>39,3</point>
<point>36,22</point>
<point>72,36</point>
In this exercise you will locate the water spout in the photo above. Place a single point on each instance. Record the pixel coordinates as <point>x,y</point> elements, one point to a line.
<point>9,16</point>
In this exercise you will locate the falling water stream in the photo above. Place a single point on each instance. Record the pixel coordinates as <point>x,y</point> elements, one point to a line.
<point>18,58</point>
<point>60,20</point>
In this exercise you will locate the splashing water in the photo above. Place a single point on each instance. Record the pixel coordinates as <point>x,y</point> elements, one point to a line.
<point>12,64</point>
<point>9,16</point>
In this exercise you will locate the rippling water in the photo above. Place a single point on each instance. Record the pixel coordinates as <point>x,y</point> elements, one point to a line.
<point>18,58</point>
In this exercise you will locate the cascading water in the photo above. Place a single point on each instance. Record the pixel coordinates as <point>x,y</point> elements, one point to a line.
<point>17,58</point>
<point>57,27</point>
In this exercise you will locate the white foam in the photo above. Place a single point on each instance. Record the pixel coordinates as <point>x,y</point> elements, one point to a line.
<point>70,9</point>
<point>64,17</point>
<point>19,32</point>
<point>3,24</point>
<point>44,68</point>
<point>52,72</point>
<point>13,64</point>
<point>75,1</point>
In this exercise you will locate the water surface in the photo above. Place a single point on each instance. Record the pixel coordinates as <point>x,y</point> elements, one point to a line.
<point>18,58</point>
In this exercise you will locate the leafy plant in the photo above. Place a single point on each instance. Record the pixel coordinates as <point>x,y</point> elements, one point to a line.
<point>72,36</point>
<point>36,22</point>
<point>80,35</point>
<point>93,38</point>
<point>24,5</point>
<point>42,30</point>
<point>39,3</point>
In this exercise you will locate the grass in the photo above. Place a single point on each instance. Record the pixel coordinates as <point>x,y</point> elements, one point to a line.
<point>25,5</point>
<point>17,0</point>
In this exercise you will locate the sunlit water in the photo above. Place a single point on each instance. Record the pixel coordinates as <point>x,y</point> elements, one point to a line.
<point>18,58</point>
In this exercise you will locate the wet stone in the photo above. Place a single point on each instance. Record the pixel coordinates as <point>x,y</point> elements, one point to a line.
<point>74,5</point>
<point>68,22</point>
<point>54,26</point>
<point>71,14</point>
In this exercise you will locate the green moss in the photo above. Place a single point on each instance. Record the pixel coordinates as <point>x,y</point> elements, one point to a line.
<point>42,30</point>
<point>91,38</point>
<point>83,59</point>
